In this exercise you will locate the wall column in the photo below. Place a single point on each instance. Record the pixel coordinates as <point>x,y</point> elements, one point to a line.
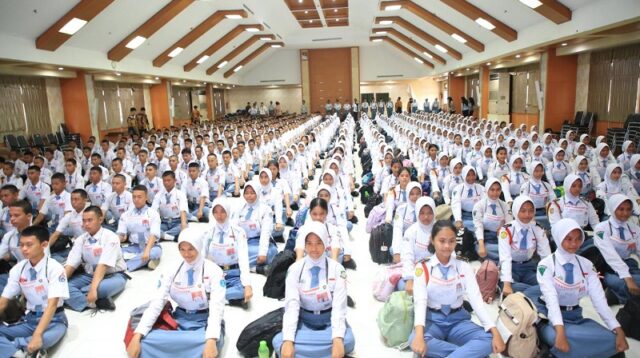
<point>456,90</point>
<point>355,74</point>
<point>208,92</point>
<point>559,89</point>
<point>484,92</point>
<point>160,105</point>
<point>75,105</point>
<point>304,79</point>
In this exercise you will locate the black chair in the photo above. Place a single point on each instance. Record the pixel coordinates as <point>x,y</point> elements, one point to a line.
<point>61,138</point>
<point>617,136</point>
<point>11,141</point>
<point>572,126</point>
<point>52,138</point>
<point>22,142</point>
<point>38,141</point>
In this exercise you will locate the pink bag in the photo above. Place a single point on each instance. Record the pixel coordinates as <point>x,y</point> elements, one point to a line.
<point>386,281</point>
<point>376,217</point>
<point>487,277</point>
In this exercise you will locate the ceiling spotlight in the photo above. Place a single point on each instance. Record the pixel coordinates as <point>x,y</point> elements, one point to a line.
<point>531,3</point>
<point>518,56</point>
<point>202,59</point>
<point>488,63</point>
<point>418,60</point>
<point>392,7</point>
<point>300,1</point>
<point>459,38</point>
<point>386,22</point>
<point>222,64</point>
<point>335,10</point>
<point>60,68</point>
<point>441,48</point>
<point>118,74</point>
<point>73,26</point>
<point>377,40</point>
<point>137,41</point>
<point>380,32</point>
<point>157,78</point>
<point>306,12</point>
<point>276,46</point>
<point>175,52</point>
<point>337,20</point>
<point>311,21</point>
<point>467,69</point>
<point>233,16</point>
<point>484,23</point>
<point>427,54</point>
<point>183,81</point>
<point>237,68</point>
<point>265,38</point>
<point>252,29</point>
<point>564,44</point>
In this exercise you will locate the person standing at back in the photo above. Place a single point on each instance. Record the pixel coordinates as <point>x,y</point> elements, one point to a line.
<point>399,105</point>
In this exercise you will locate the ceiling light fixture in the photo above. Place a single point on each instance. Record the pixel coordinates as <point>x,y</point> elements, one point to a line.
<point>118,74</point>
<point>60,68</point>
<point>300,1</point>
<point>377,40</point>
<point>183,81</point>
<point>157,78</point>
<point>73,26</point>
<point>222,64</point>
<point>563,44</point>
<point>427,54</point>
<point>531,3</point>
<point>337,20</point>
<point>252,29</point>
<point>518,56</point>
<point>265,38</point>
<point>233,16</point>
<point>386,22</point>
<point>137,41</point>
<point>276,46</point>
<point>335,10</point>
<point>467,69</point>
<point>202,59</point>
<point>392,7</point>
<point>237,68</point>
<point>485,23</point>
<point>380,32</point>
<point>311,21</point>
<point>488,63</point>
<point>418,60</point>
<point>441,48</point>
<point>175,52</point>
<point>459,38</point>
<point>306,12</point>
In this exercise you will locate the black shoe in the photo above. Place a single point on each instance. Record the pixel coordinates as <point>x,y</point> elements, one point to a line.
<point>262,269</point>
<point>354,220</point>
<point>106,304</point>
<point>290,222</point>
<point>612,299</point>
<point>278,238</point>
<point>350,265</point>
<point>350,302</point>
<point>237,303</point>
<point>355,193</point>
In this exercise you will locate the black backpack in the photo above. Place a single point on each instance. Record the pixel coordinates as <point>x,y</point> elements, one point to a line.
<point>599,263</point>
<point>628,316</point>
<point>380,244</point>
<point>262,329</point>
<point>465,246</point>
<point>365,193</point>
<point>274,286</point>
<point>374,200</point>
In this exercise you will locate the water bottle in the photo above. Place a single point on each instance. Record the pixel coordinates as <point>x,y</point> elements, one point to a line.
<point>263,350</point>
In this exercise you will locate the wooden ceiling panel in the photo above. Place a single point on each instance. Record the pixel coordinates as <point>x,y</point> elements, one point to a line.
<point>474,13</point>
<point>251,57</point>
<point>337,22</point>
<point>336,13</point>
<point>306,24</point>
<point>295,5</point>
<point>159,19</point>
<point>330,4</point>
<point>236,51</point>
<point>85,10</point>
<point>554,11</point>
<point>306,15</point>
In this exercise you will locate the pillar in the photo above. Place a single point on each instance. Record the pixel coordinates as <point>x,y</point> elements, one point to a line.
<point>160,105</point>
<point>484,92</point>
<point>559,89</point>
<point>75,105</point>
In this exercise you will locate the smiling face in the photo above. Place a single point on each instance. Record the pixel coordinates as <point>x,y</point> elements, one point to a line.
<point>188,252</point>
<point>494,191</point>
<point>444,242</point>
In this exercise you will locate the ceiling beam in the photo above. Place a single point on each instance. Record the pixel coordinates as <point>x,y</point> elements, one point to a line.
<point>85,10</point>
<point>403,49</point>
<point>474,13</point>
<point>235,32</point>
<point>554,11</point>
<point>236,51</point>
<point>434,20</point>
<point>194,34</point>
<point>251,57</point>
<point>153,24</point>
<point>423,35</point>
<point>410,41</point>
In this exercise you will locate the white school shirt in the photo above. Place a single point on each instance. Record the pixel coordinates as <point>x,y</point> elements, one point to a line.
<point>331,293</point>
<point>10,245</point>
<point>272,197</point>
<point>154,186</point>
<point>50,281</point>
<point>117,204</point>
<point>557,292</point>
<point>45,175</point>
<point>196,189</point>
<point>34,193</point>
<point>55,206</point>
<point>577,209</point>
<point>214,177</point>
<point>228,247</point>
<point>139,224</point>
<point>208,283</point>
<point>614,249</point>
<point>127,179</point>
<point>105,250</point>
<point>73,221</point>
<point>509,239</point>
<point>460,283</point>
<point>181,177</point>
<point>405,217</point>
<point>485,219</point>
<point>73,181</point>
<point>5,220</point>
<point>259,224</point>
<point>497,170</point>
<point>414,248</point>
<point>462,201</point>
<point>98,192</point>
<point>541,193</point>
<point>14,180</point>
<point>230,172</point>
<point>170,204</point>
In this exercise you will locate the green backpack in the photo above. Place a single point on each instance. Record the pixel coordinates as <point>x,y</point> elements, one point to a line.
<point>395,320</point>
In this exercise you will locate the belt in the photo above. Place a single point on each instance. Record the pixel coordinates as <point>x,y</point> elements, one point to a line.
<point>562,308</point>
<point>439,310</point>
<point>522,262</point>
<point>40,313</point>
<point>206,310</point>
<point>317,312</point>
<point>170,220</point>
<point>230,267</point>
<point>254,238</point>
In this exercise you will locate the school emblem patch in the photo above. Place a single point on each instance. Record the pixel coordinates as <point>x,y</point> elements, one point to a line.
<point>418,271</point>
<point>343,274</point>
<point>503,234</point>
<point>542,269</point>
<point>550,209</point>
<point>600,234</point>
<point>223,283</point>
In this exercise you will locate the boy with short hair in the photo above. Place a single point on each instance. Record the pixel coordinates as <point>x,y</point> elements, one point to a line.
<point>35,191</point>
<point>56,205</point>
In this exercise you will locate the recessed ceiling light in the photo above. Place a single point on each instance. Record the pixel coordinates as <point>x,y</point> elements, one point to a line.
<point>60,68</point>
<point>488,63</point>
<point>233,16</point>
<point>306,12</point>
<point>311,21</point>
<point>380,32</point>
<point>531,3</point>
<point>73,26</point>
<point>467,69</point>
<point>265,38</point>
<point>118,74</point>
<point>237,68</point>
<point>202,59</point>
<point>222,64</point>
<point>175,52</point>
<point>137,41</point>
<point>392,7</point>
<point>157,78</point>
<point>276,46</point>
<point>418,60</point>
<point>183,81</point>
<point>300,1</point>
<point>563,44</point>
<point>518,56</point>
<point>335,10</point>
<point>459,38</point>
<point>427,54</point>
<point>337,20</point>
<point>441,48</point>
<point>485,23</point>
<point>377,40</point>
<point>252,29</point>
<point>386,22</point>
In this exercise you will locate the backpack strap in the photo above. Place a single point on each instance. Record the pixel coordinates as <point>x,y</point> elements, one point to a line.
<point>426,272</point>
<point>509,233</point>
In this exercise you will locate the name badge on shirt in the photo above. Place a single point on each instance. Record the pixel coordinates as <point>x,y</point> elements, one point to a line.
<point>231,251</point>
<point>97,251</point>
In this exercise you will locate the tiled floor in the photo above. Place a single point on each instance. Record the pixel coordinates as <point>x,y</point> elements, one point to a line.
<point>102,335</point>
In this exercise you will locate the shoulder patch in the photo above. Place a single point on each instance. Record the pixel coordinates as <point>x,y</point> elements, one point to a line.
<point>550,209</point>
<point>223,283</point>
<point>343,274</point>
<point>418,271</point>
<point>600,234</point>
<point>503,234</point>
<point>542,269</point>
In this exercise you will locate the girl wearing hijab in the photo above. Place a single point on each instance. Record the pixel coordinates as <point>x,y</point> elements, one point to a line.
<point>628,150</point>
<point>564,279</point>
<point>558,169</point>
<point>615,183</point>
<point>197,286</point>
<point>343,189</point>
<point>586,140</point>
<point>486,162</point>
<point>318,210</point>
<point>391,180</point>
<point>442,326</point>
<point>226,245</point>
<point>499,167</point>
<point>314,322</point>
<point>383,172</point>
<point>536,155</point>
<point>405,216</point>
<point>450,182</point>
<point>256,219</point>
<point>415,246</point>
<point>524,150</point>
<point>634,172</point>
<point>618,238</point>
<point>519,243</point>
<point>589,179</point>
<point>338,219</point>
<point>441,172</point>
<point>398,195</point>
<point>284,190</point>
<point>270,194</point>
<point>489,214</point>
<point>474,157</point>
<point>548,146</point>
<point>292,176</point>
<point>601,159</point>
<point>540,192</point>
<point>465,197</point>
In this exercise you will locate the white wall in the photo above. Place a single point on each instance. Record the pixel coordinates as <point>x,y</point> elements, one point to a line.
<point>383,59</point>
<point>280,64</point>
<point>290,98</point>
